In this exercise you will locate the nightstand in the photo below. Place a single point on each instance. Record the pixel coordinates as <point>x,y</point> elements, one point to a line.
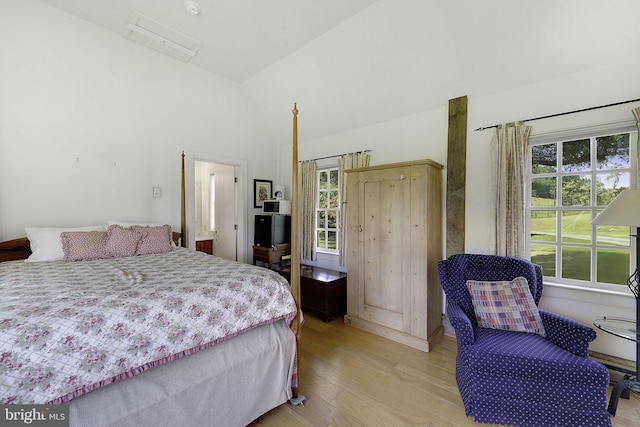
<point>323,291</point>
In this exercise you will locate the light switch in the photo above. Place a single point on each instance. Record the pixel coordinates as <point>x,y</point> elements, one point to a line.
<point>157,192</point>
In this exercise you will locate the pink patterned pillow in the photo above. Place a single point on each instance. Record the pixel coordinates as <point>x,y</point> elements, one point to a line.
<point>84,245</point>
<point>505,305</point>
<point>155,240</point>
<point>122,242</point>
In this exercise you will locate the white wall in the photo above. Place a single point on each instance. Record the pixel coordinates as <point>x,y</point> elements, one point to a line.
<point>399,58</point>
<point>90,122</point>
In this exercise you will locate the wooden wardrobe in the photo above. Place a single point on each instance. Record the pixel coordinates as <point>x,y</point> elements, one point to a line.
<point>394,243</point>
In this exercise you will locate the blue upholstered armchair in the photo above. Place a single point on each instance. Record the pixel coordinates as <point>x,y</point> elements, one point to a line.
<point>521,378</point>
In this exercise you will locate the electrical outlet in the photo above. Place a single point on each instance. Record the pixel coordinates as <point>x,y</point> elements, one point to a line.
<point>157,192</point>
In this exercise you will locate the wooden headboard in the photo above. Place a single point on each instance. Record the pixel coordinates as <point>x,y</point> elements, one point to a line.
<point>17,249</point>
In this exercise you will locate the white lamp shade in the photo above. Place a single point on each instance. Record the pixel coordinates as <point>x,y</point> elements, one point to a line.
<point>623,210</point>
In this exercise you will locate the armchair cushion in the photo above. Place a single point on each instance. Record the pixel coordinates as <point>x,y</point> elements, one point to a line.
<point>506,305</point>
<point>508,367</point>
<point>530,357</point>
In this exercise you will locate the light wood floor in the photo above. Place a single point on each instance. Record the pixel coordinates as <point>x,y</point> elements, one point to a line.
<point>353,378</point>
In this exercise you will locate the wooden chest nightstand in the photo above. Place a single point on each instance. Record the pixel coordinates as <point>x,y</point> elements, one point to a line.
<point>323,291</point>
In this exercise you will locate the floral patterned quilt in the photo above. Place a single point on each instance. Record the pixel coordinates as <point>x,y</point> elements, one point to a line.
<point>68,328</point>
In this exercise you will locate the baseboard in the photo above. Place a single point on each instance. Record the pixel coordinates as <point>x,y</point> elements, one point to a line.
<point>618,367</point>
<point>394,335</point>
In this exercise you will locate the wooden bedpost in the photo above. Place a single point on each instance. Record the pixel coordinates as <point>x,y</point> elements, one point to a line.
<point>295,232</point>
<point>183,209</point>
<point>295,252</point>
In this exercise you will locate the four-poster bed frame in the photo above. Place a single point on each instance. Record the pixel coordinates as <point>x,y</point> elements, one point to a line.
<point>19,249</point>
<point>295,252</point>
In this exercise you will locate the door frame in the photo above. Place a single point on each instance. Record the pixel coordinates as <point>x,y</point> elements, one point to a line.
<point>190,199</point>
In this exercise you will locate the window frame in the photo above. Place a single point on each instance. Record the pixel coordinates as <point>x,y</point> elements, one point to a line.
<point>317,209</point>
<point>212,202</point>
<point>559,137</point>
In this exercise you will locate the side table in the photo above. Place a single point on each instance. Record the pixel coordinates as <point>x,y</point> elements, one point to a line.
<point>323,291</point>
<point>627,329</point>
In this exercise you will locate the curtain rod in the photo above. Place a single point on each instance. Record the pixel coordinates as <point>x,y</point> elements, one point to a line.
<point>339,155</point>
<point>565,113</point>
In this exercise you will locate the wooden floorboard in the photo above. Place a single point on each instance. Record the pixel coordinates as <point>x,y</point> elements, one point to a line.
<point>354,378</point>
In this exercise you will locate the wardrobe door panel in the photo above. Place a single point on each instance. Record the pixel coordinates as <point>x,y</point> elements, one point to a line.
<point>384,212</point>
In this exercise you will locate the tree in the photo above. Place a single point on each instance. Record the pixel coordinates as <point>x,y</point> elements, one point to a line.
<point>576,191</point>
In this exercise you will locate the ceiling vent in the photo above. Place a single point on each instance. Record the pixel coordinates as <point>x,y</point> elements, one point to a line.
<point>150,33</point>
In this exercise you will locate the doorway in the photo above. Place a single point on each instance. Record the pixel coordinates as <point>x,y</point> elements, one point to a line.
<point>215,207</point>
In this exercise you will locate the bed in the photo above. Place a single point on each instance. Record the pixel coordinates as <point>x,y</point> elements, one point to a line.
<point>154,338</point>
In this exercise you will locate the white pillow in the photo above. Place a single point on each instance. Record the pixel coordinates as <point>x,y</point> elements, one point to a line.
<point>46,244</point>
<point>127,224</point>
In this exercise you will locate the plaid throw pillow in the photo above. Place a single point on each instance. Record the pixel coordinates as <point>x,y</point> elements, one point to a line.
<point>505,305</point>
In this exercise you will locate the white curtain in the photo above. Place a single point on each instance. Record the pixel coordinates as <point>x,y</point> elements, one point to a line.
<point>307,203</point>
<point>347,161</point>
<point>636,112</point>
<point>508,160</point>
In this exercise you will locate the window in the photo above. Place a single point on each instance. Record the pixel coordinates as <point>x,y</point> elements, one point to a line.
<point>328,210</point>
<point>571,181</point>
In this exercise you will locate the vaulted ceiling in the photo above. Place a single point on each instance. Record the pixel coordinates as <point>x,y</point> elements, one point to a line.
<point>239,37</point>
<point>353,63</point>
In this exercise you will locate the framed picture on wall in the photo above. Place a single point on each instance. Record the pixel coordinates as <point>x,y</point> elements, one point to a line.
<point>261,191</point>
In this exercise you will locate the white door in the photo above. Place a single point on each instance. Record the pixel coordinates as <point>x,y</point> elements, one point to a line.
<point>216,207</point>
<point>225,232</point>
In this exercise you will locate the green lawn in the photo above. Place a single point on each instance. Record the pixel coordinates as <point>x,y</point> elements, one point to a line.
<point>577,226</point>
<point>613,264</point>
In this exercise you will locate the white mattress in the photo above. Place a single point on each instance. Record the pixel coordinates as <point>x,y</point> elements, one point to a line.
<point>229,384</point>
